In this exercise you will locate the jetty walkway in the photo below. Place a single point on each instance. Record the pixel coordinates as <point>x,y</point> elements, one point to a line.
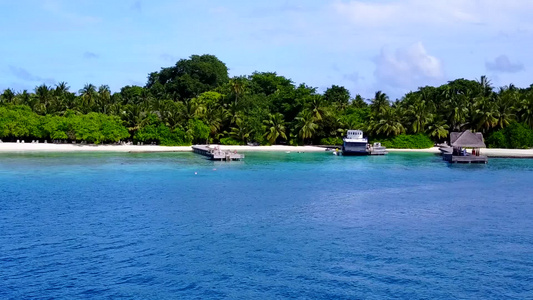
<point>214,153</point>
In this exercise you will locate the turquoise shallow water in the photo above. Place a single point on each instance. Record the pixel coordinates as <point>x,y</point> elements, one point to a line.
<point>310,226</point>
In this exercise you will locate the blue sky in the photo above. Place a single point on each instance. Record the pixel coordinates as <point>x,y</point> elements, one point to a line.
<point>394,46</point>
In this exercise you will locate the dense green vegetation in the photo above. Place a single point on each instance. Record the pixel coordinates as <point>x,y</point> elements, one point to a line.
<point>405,141</point>
<point>514,136</point>
<point>195,101</point>
<point>22,122</point>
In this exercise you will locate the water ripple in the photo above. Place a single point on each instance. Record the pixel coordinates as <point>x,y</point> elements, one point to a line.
<point>144,226</point>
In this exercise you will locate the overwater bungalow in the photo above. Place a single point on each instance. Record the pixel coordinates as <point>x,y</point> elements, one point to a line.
<point>462,140</point>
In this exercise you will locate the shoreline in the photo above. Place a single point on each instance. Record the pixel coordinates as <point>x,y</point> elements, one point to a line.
<point>489,152</point>
<point>50,147</point>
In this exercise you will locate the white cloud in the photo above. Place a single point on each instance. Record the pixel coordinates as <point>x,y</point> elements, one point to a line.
<point>408,67</point>
<point>364,13</point>
<point>503,64</point>
<point>459,33</point>
<point>441,13</point>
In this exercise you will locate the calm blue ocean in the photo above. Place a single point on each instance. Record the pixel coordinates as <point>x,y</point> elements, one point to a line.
<point>275,226</point>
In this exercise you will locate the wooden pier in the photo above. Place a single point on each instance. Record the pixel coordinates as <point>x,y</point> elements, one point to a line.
<point>214,153</point>
<point>457,152</point>
<point>445,149</point>
<point>466,159</point>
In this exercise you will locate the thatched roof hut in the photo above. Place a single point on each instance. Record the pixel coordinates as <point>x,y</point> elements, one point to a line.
<point>467,139</point>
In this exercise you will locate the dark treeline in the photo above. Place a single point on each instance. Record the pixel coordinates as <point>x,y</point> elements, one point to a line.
<point>196,101</point>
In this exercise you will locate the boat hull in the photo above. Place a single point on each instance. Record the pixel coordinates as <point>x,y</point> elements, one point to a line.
<point>354,148</point>
<point>351,153</point>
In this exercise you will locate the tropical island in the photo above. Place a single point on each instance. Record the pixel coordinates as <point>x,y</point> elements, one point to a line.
<point>195,101</point>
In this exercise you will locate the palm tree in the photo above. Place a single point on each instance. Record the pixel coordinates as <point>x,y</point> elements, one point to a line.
<point>526,109</point>
<point>232,111</point>
<point>306,125</point>
<point>456,111</point>
<point>389,123</point>
<point>214,117</point>
<point>275,126</point>
<point>485,114</point>
<point>485,86</point>
<point>240,131</point>
<point>190,110</point>
<point>62,88</point>
<point>43,93</point>
<point>133,116</point>
<point>318,107</point>
<point>238,87</point>
<point>418,115</point>
<point>114,109</point>
<point>88,96</point>
<point>505,110</point>
<point>25,98</point>
<point>169,112</point>
<point>7,96</point>
<point>61,98</point>
<point>103,98</point>
<point>358,102</point>
<point>65,103</point>
<point>438,129</point>
<point>379,103</point>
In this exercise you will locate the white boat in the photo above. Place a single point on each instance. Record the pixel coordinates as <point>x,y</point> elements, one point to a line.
<point>355,143</point>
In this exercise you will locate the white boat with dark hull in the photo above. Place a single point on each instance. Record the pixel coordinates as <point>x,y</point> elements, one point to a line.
<point>356,144</point>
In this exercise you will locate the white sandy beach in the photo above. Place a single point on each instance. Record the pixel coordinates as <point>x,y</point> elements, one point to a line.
<point>518,153</point>
<point>490,152</point>
<point>429,150</point>
<point>50,147</point>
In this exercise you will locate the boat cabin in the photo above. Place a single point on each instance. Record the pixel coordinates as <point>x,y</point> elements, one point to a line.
<point>354,135</point>
<point>355,143</point>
